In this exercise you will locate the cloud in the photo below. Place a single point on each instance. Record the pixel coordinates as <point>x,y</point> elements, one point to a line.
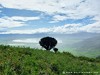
<point>11,22</point>
<point>58,18</point>
<point>34,31</point>
<point>66,29</point>
<point>93,28</point>
<point>29,40</point>
<point>76,9</point>
<point>24,18</point>
<point>6,22</point>
<point>71,9</point>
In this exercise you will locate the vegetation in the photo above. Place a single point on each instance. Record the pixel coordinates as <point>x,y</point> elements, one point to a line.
<point>28,61</point>
<point>55,50</point>
<point>48,43</point>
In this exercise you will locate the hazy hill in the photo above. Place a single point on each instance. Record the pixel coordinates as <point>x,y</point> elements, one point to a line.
<point>90,46</point>
<point>27,61</point>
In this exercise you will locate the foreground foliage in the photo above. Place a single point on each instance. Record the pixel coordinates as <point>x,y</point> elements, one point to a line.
<point>27,61</point>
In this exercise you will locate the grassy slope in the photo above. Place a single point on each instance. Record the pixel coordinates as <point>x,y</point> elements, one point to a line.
<point>27,61</point>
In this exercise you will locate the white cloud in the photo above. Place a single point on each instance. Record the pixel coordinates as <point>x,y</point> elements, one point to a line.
<point>29,40</point>
<point>39,30</point>
<point>6,22</point>
<point>94,28</point>
<point>10,22</point>
<point>24,18</point>
<point>58,18</point>
<point>66,29</point>
<point>73,9</point>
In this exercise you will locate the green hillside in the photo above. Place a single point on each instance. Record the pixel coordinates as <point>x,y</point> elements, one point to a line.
<point>27,61</point>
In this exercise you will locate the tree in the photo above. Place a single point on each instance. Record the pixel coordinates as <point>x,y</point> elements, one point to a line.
<point>48,42</point>
<point>55,50</point>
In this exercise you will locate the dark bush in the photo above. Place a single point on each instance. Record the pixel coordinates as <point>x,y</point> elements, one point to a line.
<point>55,50</point>
<point>55,69</point>
<point>18,69</point>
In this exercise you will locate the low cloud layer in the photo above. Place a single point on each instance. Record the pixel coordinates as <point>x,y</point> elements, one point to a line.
<point>66,29</point>
<point>31,40</point>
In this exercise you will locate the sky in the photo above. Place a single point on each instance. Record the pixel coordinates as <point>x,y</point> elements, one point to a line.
<point>49,16</point>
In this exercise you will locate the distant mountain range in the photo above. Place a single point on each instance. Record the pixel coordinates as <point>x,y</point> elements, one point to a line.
<point>90,46</point>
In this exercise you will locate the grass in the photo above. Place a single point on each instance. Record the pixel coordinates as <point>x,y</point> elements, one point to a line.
<point>28,61</point>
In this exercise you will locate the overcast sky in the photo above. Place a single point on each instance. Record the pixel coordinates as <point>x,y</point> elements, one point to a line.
<point>49,16</point>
